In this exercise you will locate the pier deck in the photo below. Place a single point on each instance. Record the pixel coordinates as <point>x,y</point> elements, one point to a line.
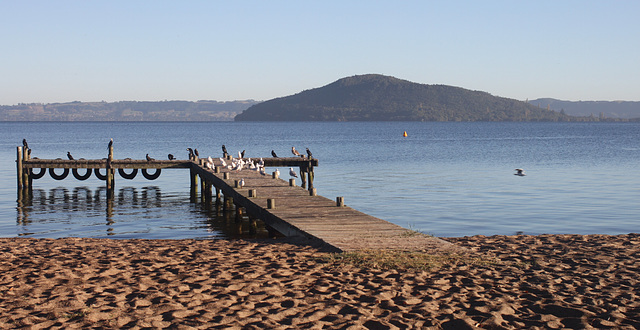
<point>294,211</point>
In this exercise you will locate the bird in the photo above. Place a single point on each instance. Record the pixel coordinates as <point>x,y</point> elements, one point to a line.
<point>239,155</point>
<point>273,153</point>
<point>242,154</point>
<point>519,172</point>
<point>69,155</point>
<point>277,173</point>
<point>262,171</point>
<point>224,164</point>
<point>294,151</point>
<point>191,155</point>
<point>224,151</point>
<point>25,144</point>
<point>261,162</point>
<point>309,153</point>
<point>195,151</point>
<point>110,144</point>
<point>210,160</point>
<point>149,158</point>
<point>241,183</point>
<point>171,157</point>
<point>292,172</point>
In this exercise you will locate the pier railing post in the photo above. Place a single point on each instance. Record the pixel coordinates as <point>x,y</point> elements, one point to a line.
<point>19,167</point>
<point>110,173</point>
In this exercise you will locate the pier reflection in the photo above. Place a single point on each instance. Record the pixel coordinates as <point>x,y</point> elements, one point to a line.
<point>131,212</point>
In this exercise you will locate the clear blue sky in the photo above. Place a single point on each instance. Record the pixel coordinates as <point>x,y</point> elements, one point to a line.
<point>61,51</point>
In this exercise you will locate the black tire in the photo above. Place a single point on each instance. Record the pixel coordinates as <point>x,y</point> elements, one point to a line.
<point>100,176</point>
<point>129,176</point>
<point>81,177</point>
<point>62,176</point>
<point>151,176</point>
<point>39,175</point>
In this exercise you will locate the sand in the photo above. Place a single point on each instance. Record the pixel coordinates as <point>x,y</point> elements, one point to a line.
<point>547,281</point>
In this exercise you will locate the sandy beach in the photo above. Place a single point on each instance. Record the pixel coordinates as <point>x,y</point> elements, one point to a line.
<point>503,282</point>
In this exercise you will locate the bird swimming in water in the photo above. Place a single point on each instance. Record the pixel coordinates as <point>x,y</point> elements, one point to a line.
<point>25,144</point>
<point>69,155</point>
<point>149,158</point>
<point>110,144</point>
<point>224,151</point>
<point>519,172</point>
<point>171,157</point>
<point>292,172</point>
<point>294,151</point>
<point>273,153</point>
<point>309,153</point>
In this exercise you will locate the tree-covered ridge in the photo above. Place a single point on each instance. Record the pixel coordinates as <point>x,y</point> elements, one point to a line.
<point>125,111</point>
<point>382,98</point>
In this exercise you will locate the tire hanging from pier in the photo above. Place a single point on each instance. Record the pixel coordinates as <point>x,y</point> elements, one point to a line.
<point>55,176</point>
<point>81,177</point>
<point>129,176</point>
<point>39,175</point>
<point>100,176</point>
<point>151,176</point>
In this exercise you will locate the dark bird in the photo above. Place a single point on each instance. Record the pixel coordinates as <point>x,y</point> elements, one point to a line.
<point>69,155</point>
<point>25,144</point>
<point>519,172</point>
<point>273,153</point>
<point>110,144</point>
<point>191,155</point>
<point>149,158</point>
<point>224,151</point>
<point>195,151</point>
<point>242,154</point>
<point>309,153</point>
<point>29,152</point>
<point>171,157</point>
<point>294,151</point>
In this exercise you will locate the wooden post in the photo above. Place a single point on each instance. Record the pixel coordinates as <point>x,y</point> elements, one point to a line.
<point>218,194</point>
<point>26,178</point>
<point>340,201</point>
<point>303,176</point>
<point>253,193</point>
<point>313,192</point>
<point>275,175</point>
<point>271,203</point>
<point>19,167</point>
<point>226,175</point>
<point>310,175</point>
<point>292,182</point>
<point>110,173</point>
<point>238,213</point>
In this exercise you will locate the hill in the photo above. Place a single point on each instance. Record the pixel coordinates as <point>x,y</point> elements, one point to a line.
<point>375,97</point>
<point>125,111</point>
<point>601,109</point>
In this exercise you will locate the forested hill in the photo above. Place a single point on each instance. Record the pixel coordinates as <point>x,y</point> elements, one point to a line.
<point>382,98</point>
<point>601,109</point>
<point>125,111</point>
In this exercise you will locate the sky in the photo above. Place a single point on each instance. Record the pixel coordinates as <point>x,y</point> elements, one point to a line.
<point>137,50</point>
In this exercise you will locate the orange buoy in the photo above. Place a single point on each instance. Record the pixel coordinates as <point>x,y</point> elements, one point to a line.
<point>405,134</point>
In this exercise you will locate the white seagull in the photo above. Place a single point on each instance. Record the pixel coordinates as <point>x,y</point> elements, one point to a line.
<point>292,172</point>
<point>224,164</point>
<point>277,172</point>
<point>519,172</point>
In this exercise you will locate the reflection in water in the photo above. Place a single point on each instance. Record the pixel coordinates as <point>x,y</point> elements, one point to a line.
<point>132,213</point>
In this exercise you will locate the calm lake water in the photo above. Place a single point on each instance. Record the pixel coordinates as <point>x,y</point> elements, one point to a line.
<point>445,179</point>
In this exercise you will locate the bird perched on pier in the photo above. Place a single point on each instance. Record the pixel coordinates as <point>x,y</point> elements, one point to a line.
<point>195,151</point>
<point>69,155</point>
<point>242,154</point>
<point>294,151</point>
<point>292,172</point>
<point>25,144</point>
<point>224,151</point>
<point>277,172</point>
<point>273,153</point>
<point>191,155</point>
<point>210,160</point>
<point>241,183</point>
<point>224,164</point>
<point>171,157</point>
<point>309,153</point>
<point>110,144</point>
<point>149,158</point>
<point>519,172</point>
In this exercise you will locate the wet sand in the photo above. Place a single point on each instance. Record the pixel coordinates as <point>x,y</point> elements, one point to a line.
<point>505,282</point>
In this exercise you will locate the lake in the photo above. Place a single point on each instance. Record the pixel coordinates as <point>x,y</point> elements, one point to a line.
<point>444,178</point>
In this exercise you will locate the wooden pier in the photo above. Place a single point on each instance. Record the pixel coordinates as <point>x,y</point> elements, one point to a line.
<point>294,211</point>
